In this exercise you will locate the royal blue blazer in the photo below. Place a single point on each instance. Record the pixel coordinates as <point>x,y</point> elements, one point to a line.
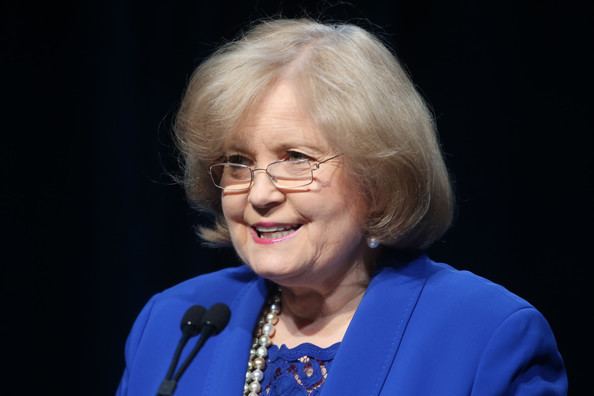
<point>422,328</point>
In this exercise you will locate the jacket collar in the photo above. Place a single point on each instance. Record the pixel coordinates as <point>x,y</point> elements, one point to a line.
<point>228,365</point>
<point>365,356</point>
<point>373,337</point>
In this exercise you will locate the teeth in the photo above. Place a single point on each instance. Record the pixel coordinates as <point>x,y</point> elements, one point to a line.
<point>275,235</point>
<point>274,229</point>
<point>276,232</point>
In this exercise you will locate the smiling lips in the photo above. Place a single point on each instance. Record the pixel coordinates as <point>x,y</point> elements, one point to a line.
<point>267,233</point>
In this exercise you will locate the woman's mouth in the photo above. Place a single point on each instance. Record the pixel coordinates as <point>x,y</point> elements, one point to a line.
<point>274,233</point>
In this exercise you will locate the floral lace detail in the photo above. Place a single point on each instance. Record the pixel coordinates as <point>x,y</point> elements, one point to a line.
<point>300,371</point>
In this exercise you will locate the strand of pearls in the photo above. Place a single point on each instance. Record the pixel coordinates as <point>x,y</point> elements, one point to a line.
<point>259,351</point>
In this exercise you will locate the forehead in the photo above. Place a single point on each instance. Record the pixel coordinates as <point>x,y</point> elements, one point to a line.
<point>277,121</point>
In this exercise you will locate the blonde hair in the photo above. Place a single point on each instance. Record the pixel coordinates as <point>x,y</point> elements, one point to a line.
<point>360,98</point>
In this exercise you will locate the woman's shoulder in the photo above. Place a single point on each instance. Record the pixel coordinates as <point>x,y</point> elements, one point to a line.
<point>465,286</point>
<point>162,313</point>
<point>467,299</point>
<point>477,329</point>
<point>458,292</point>
<point>221,284</point>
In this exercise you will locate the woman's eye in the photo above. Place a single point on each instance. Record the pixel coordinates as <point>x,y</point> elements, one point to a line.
<point>297,156</point>
<point>238,159</point>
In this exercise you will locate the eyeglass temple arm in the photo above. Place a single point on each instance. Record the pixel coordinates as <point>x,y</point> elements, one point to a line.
<point>318,163</point>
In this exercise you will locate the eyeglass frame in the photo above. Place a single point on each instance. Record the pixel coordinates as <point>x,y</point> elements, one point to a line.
<point>314,165</point>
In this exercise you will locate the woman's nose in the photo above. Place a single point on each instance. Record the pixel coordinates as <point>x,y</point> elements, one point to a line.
<point>263,193</point>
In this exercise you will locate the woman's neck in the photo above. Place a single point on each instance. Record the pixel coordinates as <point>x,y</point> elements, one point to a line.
<point>320,315</point>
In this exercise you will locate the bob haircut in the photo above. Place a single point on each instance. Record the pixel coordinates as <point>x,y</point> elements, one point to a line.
<point>359,97</point>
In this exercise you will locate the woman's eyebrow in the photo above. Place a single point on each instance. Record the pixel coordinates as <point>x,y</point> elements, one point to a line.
<point>280,147</point>
<point>234,148</point>
<point>300,145</point>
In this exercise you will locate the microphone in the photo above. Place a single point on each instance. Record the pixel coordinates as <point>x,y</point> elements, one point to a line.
<point>190,325</point>
<point>213,322</point>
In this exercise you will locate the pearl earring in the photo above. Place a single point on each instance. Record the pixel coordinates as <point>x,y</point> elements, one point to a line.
<point>373,242</point>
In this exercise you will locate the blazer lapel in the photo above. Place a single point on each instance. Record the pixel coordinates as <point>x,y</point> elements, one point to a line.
<point>374,335</point>
<point>226,374</point>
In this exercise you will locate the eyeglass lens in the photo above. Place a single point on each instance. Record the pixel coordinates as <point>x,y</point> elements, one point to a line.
<point>284,174</point>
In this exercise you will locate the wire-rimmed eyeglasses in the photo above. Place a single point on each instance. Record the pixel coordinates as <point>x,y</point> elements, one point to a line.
<point>285,174</point>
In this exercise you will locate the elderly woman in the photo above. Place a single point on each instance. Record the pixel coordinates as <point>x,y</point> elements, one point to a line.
<point>320,161</point>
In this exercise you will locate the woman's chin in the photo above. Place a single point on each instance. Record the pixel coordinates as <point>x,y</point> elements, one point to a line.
<point>272,272</point>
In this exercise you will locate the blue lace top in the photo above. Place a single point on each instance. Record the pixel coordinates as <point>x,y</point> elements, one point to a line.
<point>299,371</point>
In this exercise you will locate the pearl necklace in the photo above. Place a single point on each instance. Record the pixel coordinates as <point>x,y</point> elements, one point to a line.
<point>259,351</point>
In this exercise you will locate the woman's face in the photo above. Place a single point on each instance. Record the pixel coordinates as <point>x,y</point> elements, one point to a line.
<point>308,237</point>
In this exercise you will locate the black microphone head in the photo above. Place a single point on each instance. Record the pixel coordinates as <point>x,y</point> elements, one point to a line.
<point>217,317</point>
<point>192,321</point>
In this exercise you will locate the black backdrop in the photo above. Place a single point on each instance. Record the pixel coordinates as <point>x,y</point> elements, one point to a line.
<point>92,226</point>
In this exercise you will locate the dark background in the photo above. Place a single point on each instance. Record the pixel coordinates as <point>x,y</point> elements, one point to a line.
<point>92,225</point>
